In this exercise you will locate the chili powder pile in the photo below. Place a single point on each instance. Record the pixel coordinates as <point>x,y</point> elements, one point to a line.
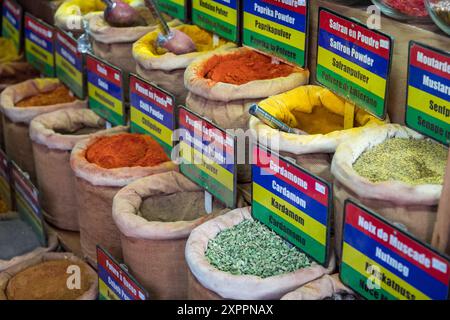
<point>126,150</point>
<point>59,95</point>
<point>242,67</point>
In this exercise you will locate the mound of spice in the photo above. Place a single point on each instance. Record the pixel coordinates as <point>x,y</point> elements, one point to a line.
<point>59,95</point>
<point>16,238</point>
<point>341,296</point>
<point>407,160</point>
<point>319,121</point>
<point>3,206</point>
<point>414,8</point>
<point>126,150</point>
<point>46,281</point>
<point>242,67</point>
<point>250,248</point>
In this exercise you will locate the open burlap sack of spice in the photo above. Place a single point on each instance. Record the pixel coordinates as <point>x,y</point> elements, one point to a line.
<point>325,288</point>
<point>70,13</point>
<point>16,243</point>
<point>166,69</point>
<point>96,187</point>
<point>48,277</point>
<point>115,44</point>
<point>409,205</point>
<point>318,116</point>
<point>155,216</point>
<point>53,137</point>
<point>16,119</point>
<point>208,282</point>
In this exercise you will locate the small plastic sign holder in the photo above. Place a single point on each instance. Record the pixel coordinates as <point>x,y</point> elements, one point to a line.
<point>221,17</point>
<point>5,180</point>
<point>39,45</point>
<point>114,280</point>
<point>26,197</point>
<point>152,111</point>
<point>178,9</point>
<point>294,203</point>
<point>12,22</point>
<point>208,156</point>
<point>427,98</point>
<point>381,261</point>
<point>70,63</point>
<point>277,28</point>
<point>105,87</point>
<point>354,61</point>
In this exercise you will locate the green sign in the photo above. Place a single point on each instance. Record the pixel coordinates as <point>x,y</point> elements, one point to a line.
<point>428,97</point>
<point>12,22</point>
<point>5,180</point>
<point>174,8</point>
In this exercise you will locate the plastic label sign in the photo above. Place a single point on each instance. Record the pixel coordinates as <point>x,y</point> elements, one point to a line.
<point>12,22</point>
<point>114,281</point>
<point>292,202</point>
<point>39,45</point>
<point>174,8</point>
<point>5,180</point>
<point>218,16</point>
<point>105,90</point>
<point>208,156</point>
<point>354,61</point>
<point>69,63</point>
<point>152,112</point>
<point>278,28</point>
<point>428,98</point>
<point>27,202</point>
<point>382,262</point>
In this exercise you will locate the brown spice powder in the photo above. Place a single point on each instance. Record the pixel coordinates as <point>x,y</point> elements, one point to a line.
<point>60,95</point>
<point>242,67</point>
<point>46,281</point>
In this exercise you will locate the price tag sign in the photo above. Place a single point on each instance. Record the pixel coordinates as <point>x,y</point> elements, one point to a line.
<point>295,204</point>
<point>152,112</point>
<point>105,90</point>
<point>174,8</point>
<point>114,281</point>
<point>428,97</point>
<point>12,22</point>
<point>5,180</point>
<point>382,262</point>
<point>26,197</point>
<point>69,63</point>
<point>278,28</point>
<point>218,16</point>
<point>39,45</point>
<point>354,61</point>
<point>208,156</point>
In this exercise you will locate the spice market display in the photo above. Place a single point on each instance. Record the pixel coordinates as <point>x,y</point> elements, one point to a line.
<point>225,150</point>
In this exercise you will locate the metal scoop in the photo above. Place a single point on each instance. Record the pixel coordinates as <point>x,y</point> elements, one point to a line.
<point>170,39</point>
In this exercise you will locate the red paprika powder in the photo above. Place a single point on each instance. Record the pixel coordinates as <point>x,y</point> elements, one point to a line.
<point>244,66</point>
<point>126,150</point>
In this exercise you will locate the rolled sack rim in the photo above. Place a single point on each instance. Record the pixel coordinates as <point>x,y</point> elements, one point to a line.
<point>393,191</point>
<point>227,285</point>
<point>128,200</point>
<point>7,275</point>
<point>42,128</point>
<point>256,89</point>
<point>118,177</point>
<point>25,115</point>
<point>170,61</point>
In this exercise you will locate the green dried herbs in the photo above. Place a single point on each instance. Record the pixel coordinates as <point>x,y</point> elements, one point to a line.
<point>250,248</point>
<point>408,160</point>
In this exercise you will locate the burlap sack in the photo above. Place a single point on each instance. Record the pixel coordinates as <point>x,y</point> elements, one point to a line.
<point>114,44</point>
<point>6,276</point>
<point>52,243</point>
<point>229,286</point>
<point>227,104</point>
<point>314,152</point>
<point>319,289</point>
<point>414,207</point>
<point>155,216</point>
<point>167,69</point>
<point>95,189</point>
<point>16,120</point>
<point>70,13</point>
<point>53,137</point>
